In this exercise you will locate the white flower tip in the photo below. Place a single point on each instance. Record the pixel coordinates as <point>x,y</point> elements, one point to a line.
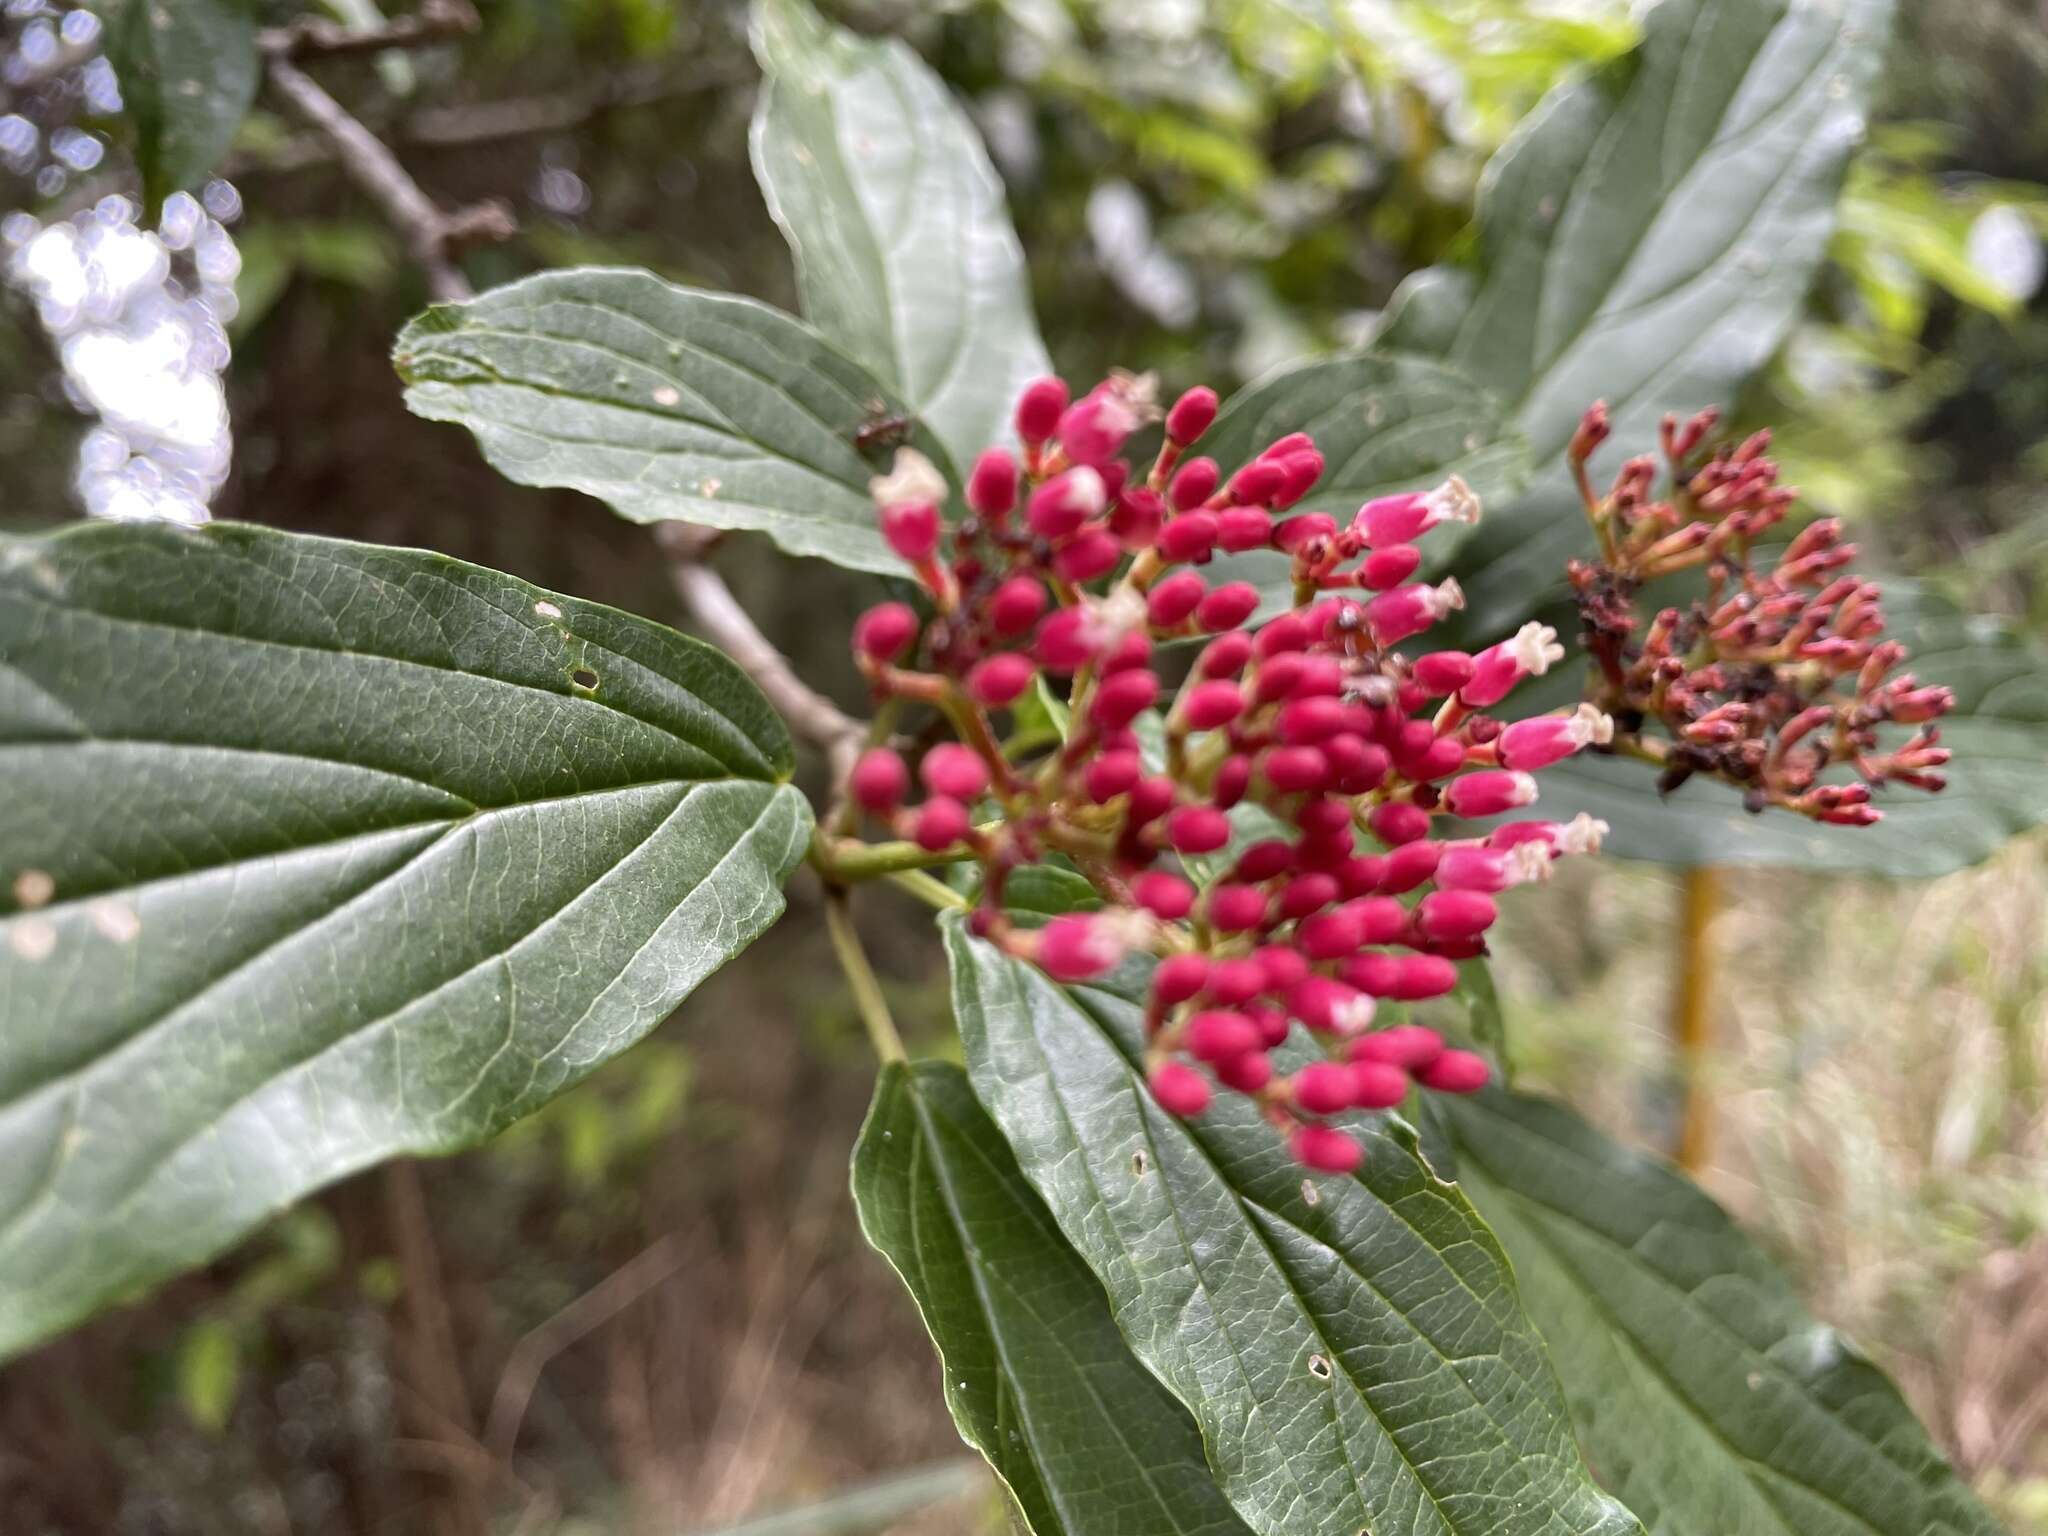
<point>913,480</point>
<point>1528,861</point>
<point>1582,834</point>
<point>1524,789</point>
<point>1449,596</point>
<point>1354,1015</point>
<point>1535,649</point>
<point>1085,489</point>
<point>1139,391</point>
<point>1592,726</point>
<point>1112,617</point>
<point>1454,502</point>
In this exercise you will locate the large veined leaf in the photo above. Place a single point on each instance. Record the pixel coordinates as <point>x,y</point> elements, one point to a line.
<point>1997,783</point>
<point>904,251</point>
<point>1704,1393</point>
<point>1353,1349</point>
<point>315,853</point>
<point>1385,422</point>
<point>188,73</point>
<point>664,402</point>
<point>1038,1378</point>
<point>1647,236</point>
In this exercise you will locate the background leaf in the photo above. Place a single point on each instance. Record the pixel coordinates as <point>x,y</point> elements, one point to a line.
<point>1037,1376</point>
<point>1704,1394</point>
<point>904,251</point>
<point>1647,236</point>
<point>1353,1348</point>
<point>188,72</point>
<point>664,402</point>
<point>318,853</point>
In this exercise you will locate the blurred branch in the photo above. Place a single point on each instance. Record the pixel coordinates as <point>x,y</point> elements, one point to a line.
<point>873,1506</point>
<point>1692,1014</point>
<point>436,21</point>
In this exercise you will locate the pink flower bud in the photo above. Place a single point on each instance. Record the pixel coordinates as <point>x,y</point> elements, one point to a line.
<point>1299,472</point>
<point>1000,680</point>
<point>1304,722</point>
<point>1243,528</point>
<point>1263,860</point>
<point>1197,829</point>
<point>1259,481</point>
<point>1133,650</point>
<point>1179,978</point>
<point>1405,611</point>
<point>1165,896</point>
<point>1232,982</point>
<point>1233,778</point>
<point>1190,536</point>
<point>1065,641</point>
<point>1089,555</point>
<point>1329,1006</point>
<point>1236,908</point>
<point>1228,606</point>
<point>879,781</point>
<point>1403,978</point>
<point>1455,1072</point>
<point>1297,533</point>
<point>1389,520</point>
<point>939,824</point>
<point>992,487</point>
<point>1289,632</point>
<point>1375,1085</point>
<point>1489,792</point>
<point>1409,865</point>
<point>1247,1073</point>
<point>1150,799</point>
<point>1442,673</point>
<point>1325,1150</point>
<point>1329,935</point>
<point>1323,818</point>
<point>1323,1088</point>
<point>1440,759</point>
<point>1530,652</point>
<point>1466,868</point>
<point>1060,506</point>
<point>911,528</point>
<point>1294,770</point>
<point>1381,919</point>
<point>1123,696</point>
<point>1170,602</point>
<point>1217,1035</point>
<point>1356,767</point>
<point>1307,893</point>
<point>1179,1088</point>
<point>1094,427</point>
<point>1136,516</point>
<point>885,631</point>
<point>1282,967</point>
<point>1039,408</point>
<point>1453,915</point>
<point>1276,676</point>
<point>1533,744</point>
<point>1398,822</point>
<point>1212,704</point>
<point>1015,605</point>
<point>1193,484</point>
<point>954,770</point>
<point>1191,415</point>
<point>1405,1047</point>
<point>1110,774</point>
<point>1385,568</point>
<point>1078,947</point>
<point>1225,657</point>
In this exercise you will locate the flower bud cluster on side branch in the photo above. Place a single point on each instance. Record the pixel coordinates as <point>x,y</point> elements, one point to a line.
<point>1074,563</point>
<point>1780,670</point>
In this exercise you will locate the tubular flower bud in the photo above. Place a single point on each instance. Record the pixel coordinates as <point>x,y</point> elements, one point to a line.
<point>1534,744</point>
<point>1191,415</point>
<point>1407,611</point>
<point>885,631</point>
<point>1039,410</point>
<point>1533,651</point>
<point>879,782</point>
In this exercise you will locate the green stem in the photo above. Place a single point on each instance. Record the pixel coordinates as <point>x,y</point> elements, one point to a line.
<point>860,976</point>
<point>932,892</point>
<point>845,861</point>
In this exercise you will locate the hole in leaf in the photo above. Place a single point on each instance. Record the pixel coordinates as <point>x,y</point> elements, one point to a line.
<point>1319,1367</point>
<point>1310,1195</point>
<point>1139,1163</point>
<point>547,610</point>
<point>585,679</point>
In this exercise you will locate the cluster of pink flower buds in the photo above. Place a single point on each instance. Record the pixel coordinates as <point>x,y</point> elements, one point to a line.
<point>1076,571</point>
<point>1780,670</point>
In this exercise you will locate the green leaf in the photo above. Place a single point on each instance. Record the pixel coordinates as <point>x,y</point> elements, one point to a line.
<point>1353,1348</point>
<point>1999,730</point>
<point>188,72</point>
<point>319,853</point>
<point>1385,422</point>
<point>1648,236</point>
<point>1037,1376</point>
<point>904,251</point>
<point>1704,1393</point>
<point>664,402</point>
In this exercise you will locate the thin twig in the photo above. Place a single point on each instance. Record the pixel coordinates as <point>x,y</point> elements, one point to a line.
<point>867,989</point>
<point>436,21</point>
<point>933,893</point>
<point>432,236</point>
<point>718,613</point>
